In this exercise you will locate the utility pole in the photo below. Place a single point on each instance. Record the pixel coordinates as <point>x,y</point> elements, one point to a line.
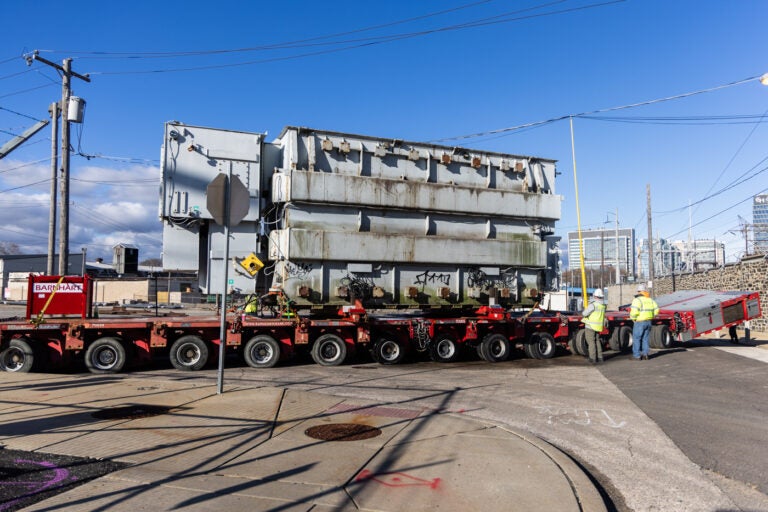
<point>54,110</point>
<point>618,270</point>
<point>650,236</point>
<point>66,78</point>
<point>602,255</point>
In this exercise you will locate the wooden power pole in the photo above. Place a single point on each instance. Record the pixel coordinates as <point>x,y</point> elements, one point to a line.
<point>66,78</point>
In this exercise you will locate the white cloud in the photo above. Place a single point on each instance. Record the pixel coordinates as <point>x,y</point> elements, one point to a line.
<point>108,205</point>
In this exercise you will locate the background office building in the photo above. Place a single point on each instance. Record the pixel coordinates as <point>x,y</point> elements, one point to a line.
<point>600,250</point>
<point>760,222</point>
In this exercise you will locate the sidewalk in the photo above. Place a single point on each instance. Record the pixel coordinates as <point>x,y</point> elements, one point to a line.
<point>268,449</point>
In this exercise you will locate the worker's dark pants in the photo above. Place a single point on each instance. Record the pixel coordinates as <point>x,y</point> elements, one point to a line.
<point>594,345</point>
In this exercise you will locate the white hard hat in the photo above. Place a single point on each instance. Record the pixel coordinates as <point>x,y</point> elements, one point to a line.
<point>641,288</point>
<point>598,293</point>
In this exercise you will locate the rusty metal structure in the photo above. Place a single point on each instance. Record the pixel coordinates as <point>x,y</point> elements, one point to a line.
<point>337,218</point>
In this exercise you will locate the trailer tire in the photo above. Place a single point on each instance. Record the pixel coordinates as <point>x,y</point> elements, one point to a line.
<point>571,345</point>
<point>105,355</point>
<point>189,353</point>
<point>626,339</point>
<point>661,337</point>
<point>17,357</point>
<point>494,348</point>
<point>541,345</point>
<point>444,350</point>
<point>613,340</point>
<point>329,350</point>
<point>387,350</point>
<point>578,343</point>
<point>262,351</point>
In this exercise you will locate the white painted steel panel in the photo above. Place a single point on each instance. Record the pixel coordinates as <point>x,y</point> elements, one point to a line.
<point>334,218</point>
<point>328,245</point>
<point>302,186</point>
<point>193,156</point>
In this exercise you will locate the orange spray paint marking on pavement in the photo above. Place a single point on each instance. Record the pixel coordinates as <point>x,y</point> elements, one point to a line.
<point>397,479</point>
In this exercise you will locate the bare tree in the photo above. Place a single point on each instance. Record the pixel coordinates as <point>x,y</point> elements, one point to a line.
<point>9,248</point>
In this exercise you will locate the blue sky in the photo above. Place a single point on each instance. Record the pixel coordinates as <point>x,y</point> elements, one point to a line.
<point>409,70</point>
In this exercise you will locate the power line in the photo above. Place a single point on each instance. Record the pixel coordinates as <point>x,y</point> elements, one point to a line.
<point>26,90</point>
<point>749,198</point>
<point>374,40</point>
<point>25,186</point>
<point>737,181</point>
<point>733,157</point>
<point>288,44</point>
<point>610,109</point>
<point>15,74</point>
<point>25,165</point>
<point>4,61</point>
<point>130,183</point>
<point>755,119</point>
<point>25,233</point>
<point>109,222</point>
<point>20,114</point>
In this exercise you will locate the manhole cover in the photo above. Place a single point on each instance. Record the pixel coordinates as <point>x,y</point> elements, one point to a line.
<point>342,432</point>
<point>130,412</point>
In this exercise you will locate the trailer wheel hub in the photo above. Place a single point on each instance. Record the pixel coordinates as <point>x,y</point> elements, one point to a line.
<point>342,432</point>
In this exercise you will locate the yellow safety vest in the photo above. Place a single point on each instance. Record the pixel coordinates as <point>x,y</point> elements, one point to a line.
<point>251,304</point>
<point>643,308</point>
<point>596,319</point>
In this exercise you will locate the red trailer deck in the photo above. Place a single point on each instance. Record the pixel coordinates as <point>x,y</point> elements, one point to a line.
<point>59,332</point>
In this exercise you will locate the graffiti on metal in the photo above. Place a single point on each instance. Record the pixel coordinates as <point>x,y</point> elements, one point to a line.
<point>429,277</point>
<point>298,270</point>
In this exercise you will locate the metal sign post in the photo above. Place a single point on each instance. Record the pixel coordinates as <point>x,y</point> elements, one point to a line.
<point>228,202</point>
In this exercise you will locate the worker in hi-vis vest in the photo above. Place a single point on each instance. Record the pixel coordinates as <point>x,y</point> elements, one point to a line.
<point>594,322</point>
<point>642,311</point>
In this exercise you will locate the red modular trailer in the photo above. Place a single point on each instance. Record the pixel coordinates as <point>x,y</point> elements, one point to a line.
<point>59,331</point>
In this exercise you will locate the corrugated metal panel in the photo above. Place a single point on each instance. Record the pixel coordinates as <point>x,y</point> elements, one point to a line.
<point>318,187</point>
<point>302,244</point>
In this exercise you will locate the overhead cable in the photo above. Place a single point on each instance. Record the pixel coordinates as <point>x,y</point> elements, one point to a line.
<point>288,44</point>
<point>369,41</point>
<point>20,114</point>
<point>610,109</point>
